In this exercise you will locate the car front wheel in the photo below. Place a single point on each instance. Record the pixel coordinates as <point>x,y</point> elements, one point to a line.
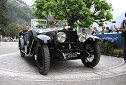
<point>42,58</point>
<point>93,50</point>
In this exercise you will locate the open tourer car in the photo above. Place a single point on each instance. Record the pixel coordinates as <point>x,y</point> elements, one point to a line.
<point>54,42</point>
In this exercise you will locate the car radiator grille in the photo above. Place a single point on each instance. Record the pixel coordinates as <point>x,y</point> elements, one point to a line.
<point>71,40</point>
<point>71,36</point>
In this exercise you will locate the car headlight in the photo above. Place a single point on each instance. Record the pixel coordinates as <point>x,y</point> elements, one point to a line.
<point>61,36</point>
<point>82,37</point>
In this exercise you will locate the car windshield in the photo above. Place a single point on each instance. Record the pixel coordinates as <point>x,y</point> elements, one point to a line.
<point>44,24</point>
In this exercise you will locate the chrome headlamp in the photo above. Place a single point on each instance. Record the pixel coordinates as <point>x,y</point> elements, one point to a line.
<point>61,36</point>
<point>82,37</point>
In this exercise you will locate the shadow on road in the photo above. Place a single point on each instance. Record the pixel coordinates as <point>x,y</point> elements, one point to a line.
<point>60,66</point>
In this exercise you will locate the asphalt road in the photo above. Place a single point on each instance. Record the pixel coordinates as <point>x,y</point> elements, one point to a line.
<point>15,70</point>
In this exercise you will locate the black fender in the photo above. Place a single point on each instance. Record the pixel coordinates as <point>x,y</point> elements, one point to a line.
<point>21,43</point>
<point>44,39</point>
<point>92,38</point>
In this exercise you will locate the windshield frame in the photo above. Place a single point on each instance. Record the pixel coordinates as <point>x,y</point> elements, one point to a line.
<point>57,23</point>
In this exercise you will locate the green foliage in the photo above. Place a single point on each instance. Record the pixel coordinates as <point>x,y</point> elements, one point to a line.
<point>4,19</point>
<point>19,14</point>
<point>81,12</point>
<point>12,30</point>
<point>106,47</point>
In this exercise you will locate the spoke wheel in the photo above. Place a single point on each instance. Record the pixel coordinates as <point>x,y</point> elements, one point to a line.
<point>93,50</point>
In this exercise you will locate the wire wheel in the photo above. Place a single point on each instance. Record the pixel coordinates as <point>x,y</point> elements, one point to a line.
<point>93,50</point>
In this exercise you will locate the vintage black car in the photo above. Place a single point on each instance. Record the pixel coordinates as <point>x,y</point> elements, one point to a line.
<point>48,44</point>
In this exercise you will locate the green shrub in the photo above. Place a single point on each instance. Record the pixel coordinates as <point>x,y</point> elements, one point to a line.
<point>107,45</point>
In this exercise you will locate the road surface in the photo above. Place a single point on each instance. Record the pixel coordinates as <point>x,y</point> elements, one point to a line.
<point>15,70</point>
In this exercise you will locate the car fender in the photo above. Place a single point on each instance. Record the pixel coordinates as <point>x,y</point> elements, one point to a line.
<point>44,39</point>
<point>93,38</point>
<point>21,43</point>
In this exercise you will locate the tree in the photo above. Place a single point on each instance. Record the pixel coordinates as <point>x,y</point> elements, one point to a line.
<point>12,30</point>
<point>4,19</point>
<point>81,12</point>
<point>19,14</point>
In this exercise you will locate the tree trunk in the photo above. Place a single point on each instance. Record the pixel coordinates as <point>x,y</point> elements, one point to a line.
<point>71,23</point>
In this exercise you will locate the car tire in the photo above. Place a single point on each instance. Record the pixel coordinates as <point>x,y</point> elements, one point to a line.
<point>42,58</point>
<point>21,51</point>
<point>22,54</point>
<point>94,49</point>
